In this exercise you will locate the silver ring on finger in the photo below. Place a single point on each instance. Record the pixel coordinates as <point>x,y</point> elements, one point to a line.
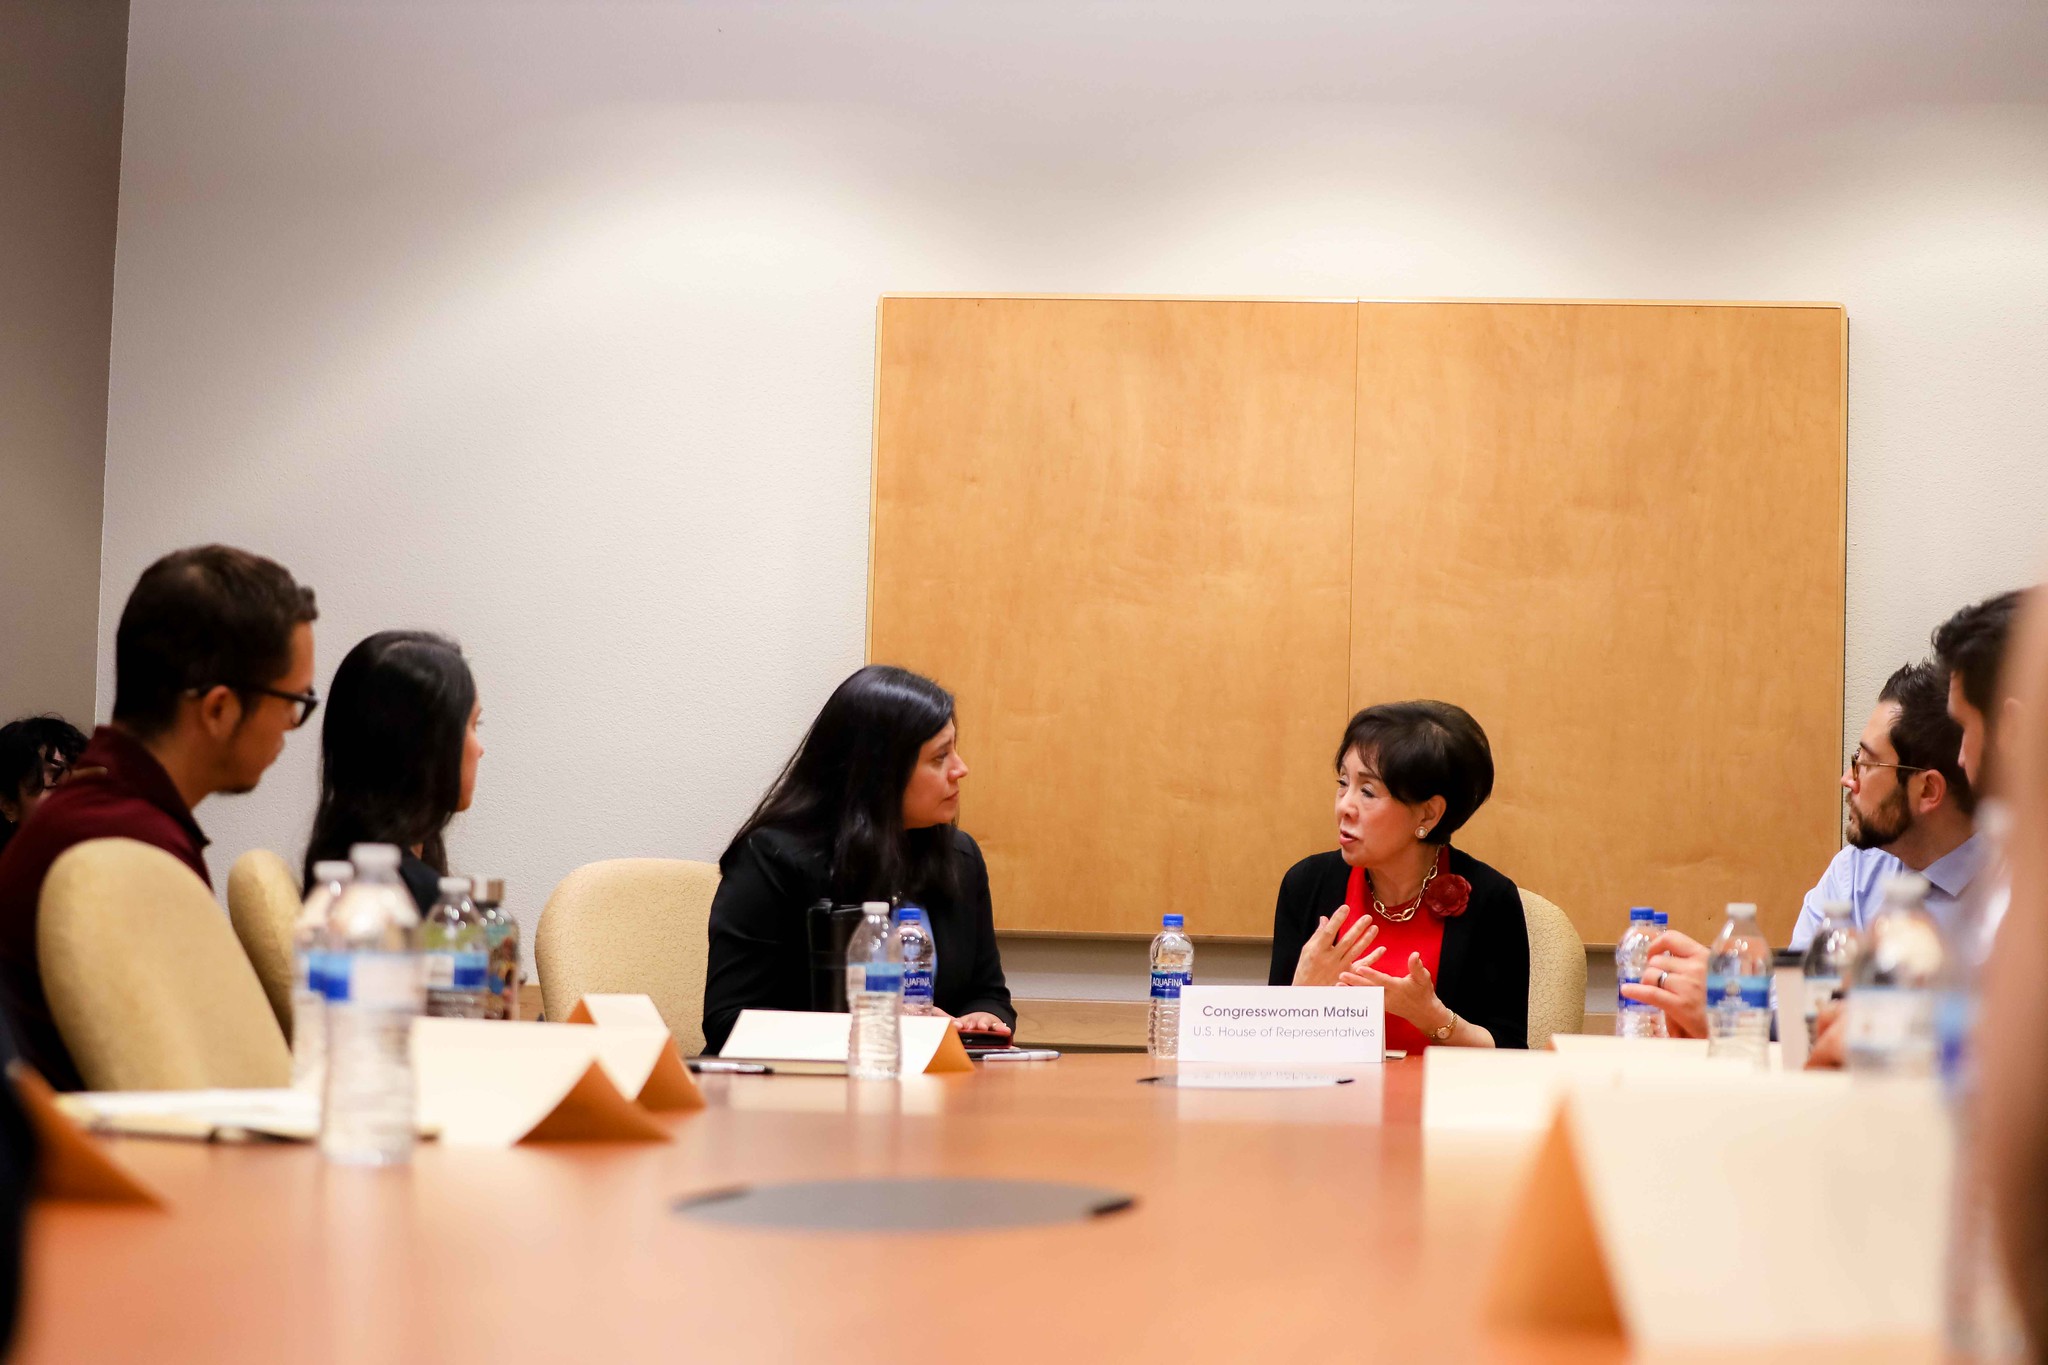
<point>1662,976</point>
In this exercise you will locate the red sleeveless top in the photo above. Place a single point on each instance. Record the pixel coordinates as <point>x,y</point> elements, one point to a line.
<point>1423,934</point>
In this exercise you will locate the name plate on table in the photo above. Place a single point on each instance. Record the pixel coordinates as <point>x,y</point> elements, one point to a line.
<point>1323,1025</point>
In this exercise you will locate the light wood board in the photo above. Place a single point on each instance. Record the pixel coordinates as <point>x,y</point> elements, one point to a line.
<point>1119,532</point>
<point>1161,549</point>
<point>1614,535</point>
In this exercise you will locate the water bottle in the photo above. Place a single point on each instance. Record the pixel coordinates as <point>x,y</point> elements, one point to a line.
<point>920,958</point>
<point>1633,1018</point>
<point>501,947</point>
<point>1739,990</point>
<point>309,977</point>
<point>1829,960</point>
<point>1173,966</point>
<point>1659,922</point>
<point>1892,993</point>
<point>874,998</point>
<point>455,954</point>
<point>374,992</point>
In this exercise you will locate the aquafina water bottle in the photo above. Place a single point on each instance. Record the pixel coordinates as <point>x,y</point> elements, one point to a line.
<point>1634,1018</point>
<point>874,998</point>
<point>1173,966</point>
<point>920,960</point>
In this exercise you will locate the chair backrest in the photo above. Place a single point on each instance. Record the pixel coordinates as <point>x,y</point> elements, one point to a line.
<point>145,979</point>
<point>1557,971</point>
<point>633,925</point>
<point>263,905</point>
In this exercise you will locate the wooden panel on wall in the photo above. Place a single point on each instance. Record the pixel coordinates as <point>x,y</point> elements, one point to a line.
<point>1119,531</point>
<point>1614,534</point>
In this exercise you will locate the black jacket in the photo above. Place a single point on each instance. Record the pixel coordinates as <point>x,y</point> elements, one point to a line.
<point>1483,972</point>
<point>760,950</point>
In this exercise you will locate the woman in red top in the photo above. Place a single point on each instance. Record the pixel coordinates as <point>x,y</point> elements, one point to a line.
<point>1396,906</point>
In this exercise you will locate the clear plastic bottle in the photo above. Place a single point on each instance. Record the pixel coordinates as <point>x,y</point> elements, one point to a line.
<point>1173,966</point>
<point>1829,961</point>
<point>1739,989</point>
<point>920,957</point>
<point>501,947</point>
<point>309,976</point>
<point>1659,922</point>
<point>454,954</point>
<point>374,992</point>
<point>1892,994</point>
<point>1633,1018</point>
<point>874,998</point>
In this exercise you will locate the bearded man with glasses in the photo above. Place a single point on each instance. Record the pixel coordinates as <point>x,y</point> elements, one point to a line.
<point>1909,808</point>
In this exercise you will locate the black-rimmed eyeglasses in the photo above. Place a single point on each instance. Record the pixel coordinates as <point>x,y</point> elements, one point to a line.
<point>304,704</point>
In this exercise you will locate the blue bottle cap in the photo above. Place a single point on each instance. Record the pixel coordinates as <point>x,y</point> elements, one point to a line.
<point>910,913</point>
<point>1173,921</point>
<point>1641,912</point>
<point>1661,918</point>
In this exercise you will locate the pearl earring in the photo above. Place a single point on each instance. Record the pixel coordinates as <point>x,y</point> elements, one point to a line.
<point>1422,832</point>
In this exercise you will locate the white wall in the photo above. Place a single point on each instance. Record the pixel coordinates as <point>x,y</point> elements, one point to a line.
<point>551,324</point>
<point>60,165</point>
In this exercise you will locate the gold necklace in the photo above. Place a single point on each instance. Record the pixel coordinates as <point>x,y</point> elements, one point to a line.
<point>1403,916</point>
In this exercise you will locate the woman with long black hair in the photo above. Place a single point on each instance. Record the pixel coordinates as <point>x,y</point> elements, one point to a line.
<point>398,754</point>
<point>863,811</point>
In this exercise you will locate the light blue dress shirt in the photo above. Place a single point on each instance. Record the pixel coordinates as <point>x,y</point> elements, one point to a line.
<point>1857,875</point>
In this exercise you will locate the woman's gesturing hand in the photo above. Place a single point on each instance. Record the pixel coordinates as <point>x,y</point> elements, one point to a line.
<point>1325,955</point>
<point>1412,997</point>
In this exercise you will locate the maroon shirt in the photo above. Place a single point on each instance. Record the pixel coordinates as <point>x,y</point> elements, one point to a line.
<point>118,790</point>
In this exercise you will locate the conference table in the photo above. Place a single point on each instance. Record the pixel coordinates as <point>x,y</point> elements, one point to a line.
<point>1269,1225</point>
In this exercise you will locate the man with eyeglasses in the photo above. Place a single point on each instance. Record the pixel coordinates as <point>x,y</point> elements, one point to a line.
<point>1910,806</point>
<point>36,753</point>
<point>213,664</point>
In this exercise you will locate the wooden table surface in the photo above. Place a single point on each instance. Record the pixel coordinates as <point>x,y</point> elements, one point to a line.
<point>1270,1226</point>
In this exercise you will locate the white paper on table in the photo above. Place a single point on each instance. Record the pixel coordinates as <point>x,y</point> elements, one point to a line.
<point>1798,1224</point>
<point>1497,1089</point>
<point>930,1043</point>
<point>493,1083</point>
<point>1640,1055</point>
<point>621,1010</point>
<point>291,1114</point>
<point>1501,1089</point>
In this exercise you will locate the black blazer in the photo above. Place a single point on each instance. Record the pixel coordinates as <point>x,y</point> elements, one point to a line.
<point>1483,972</point>
<point>760,947</point>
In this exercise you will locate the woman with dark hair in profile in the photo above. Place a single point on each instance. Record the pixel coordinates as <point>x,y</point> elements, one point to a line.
<point>1395,906</point>
<point>863,811</point>
<point>398,754</point>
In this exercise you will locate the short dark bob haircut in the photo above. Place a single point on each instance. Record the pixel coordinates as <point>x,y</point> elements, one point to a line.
<point>1421,749</point>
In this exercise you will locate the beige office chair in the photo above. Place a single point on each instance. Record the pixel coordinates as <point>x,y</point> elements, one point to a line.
<point>1557,971</point>
<point>263,905</point>
<point>631,925</point>
<point>145,979</point>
